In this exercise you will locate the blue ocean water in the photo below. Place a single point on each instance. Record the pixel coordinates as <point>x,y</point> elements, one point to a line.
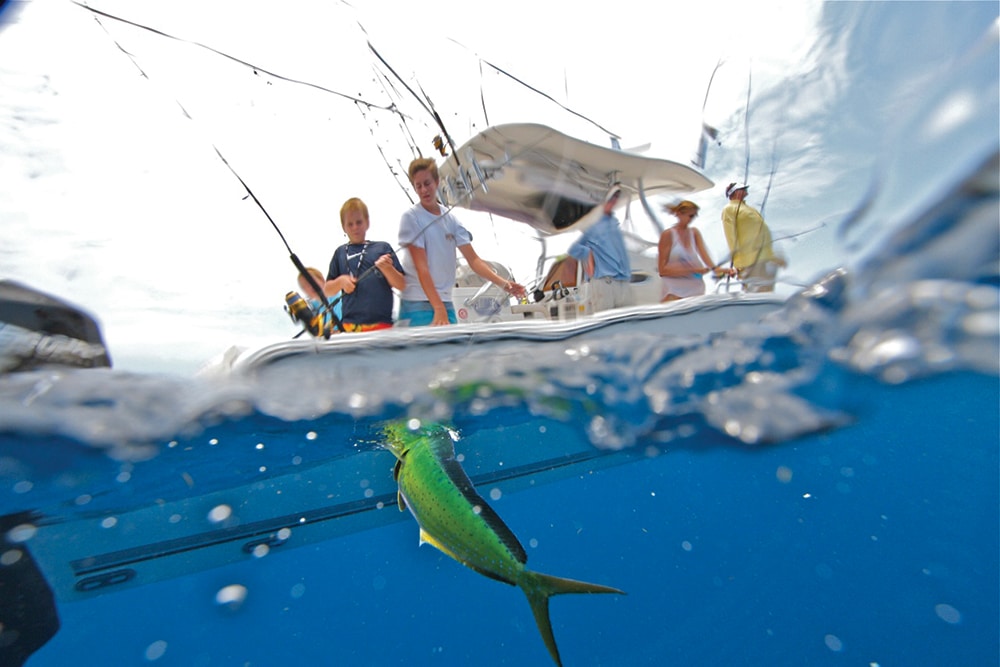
<point>820,487</point>
<point>817,488</point>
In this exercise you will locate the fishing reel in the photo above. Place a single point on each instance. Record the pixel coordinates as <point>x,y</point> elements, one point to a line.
<point>300,312</point>
<point>439,145</point>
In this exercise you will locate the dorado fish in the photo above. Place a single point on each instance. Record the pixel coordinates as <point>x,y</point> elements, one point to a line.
<point>455,519</point>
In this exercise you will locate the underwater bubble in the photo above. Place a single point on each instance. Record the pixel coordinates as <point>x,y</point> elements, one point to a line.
<point>109,522</point>
<point>495,493</point>
<point>10,557</point>
<point>833,643</point>
<point>83,499</point>
<point>175,518</point>
<point>784,474</point>
<point>948,614</point>
<point>533,543</point>
<point>981,324</point>
<point>156,650</point>
<point>260,551</point>
<point>21,533</point>
<point>476,509</point>
<point>369,493</point>
<point>259,445</point>
<point>231,596</point>
<point>311,435</point>
<point>23,486</point>
<point>686,546</point>
<point>220,513</point>
<point>298,590</point>
<point>213,441</point>
<point>284,534</point>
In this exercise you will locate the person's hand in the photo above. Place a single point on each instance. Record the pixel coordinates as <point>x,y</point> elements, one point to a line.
<point>440,317</point>
<point>515,289</point>
<point>722,271</point>
<point>348,285</point>
<point>384,261</point>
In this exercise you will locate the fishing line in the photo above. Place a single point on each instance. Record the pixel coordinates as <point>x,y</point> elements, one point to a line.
<point>257,69</point>
<point>295,260</point>
<point>613,135</point>
<point>429,109</point>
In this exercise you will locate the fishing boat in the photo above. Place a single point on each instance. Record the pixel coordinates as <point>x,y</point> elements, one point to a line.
<point>524,174</point>
<point>530,175</point>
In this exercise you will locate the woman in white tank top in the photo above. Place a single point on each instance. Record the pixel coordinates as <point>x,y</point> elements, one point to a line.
<point>683,258</point>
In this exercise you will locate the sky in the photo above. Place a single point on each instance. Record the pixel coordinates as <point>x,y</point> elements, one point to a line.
<point>117,200</point>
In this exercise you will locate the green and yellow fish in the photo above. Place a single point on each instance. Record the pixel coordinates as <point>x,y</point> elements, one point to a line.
<point>456,520</point>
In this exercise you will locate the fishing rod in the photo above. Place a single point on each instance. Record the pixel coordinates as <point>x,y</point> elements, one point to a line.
<point>780,238</point>
<point>303,271</point>
<point>427,105</point>
<point>295,259</point>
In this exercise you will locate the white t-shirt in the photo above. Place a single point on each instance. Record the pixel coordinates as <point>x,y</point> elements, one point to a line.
<point>440,236</point>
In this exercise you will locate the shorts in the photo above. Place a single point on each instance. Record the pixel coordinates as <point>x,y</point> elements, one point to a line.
<point>421,313</point>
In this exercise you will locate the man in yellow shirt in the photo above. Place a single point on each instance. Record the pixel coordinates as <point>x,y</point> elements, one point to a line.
<point>749,242</point>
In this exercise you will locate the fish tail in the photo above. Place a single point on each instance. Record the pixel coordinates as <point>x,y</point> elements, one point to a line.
<point>540,587</point>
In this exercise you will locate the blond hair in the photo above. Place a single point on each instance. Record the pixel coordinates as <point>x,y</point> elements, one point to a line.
<point>420,164</point>
<point>353,204</point>
<point>681,205</point>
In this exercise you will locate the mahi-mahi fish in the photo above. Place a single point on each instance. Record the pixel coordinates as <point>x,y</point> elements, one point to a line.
<point>454,518</point>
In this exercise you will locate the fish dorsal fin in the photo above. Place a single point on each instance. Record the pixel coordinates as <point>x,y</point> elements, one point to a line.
<point>462,482</point>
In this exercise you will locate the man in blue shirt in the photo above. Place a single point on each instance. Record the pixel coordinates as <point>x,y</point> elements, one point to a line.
<point>609,283</point>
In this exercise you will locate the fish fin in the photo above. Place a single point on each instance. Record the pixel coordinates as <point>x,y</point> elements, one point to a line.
<point>427,538</point>
<point>396,468</point>
<point>461,480</point>
<point>540,587</point>
<point>401,501</point>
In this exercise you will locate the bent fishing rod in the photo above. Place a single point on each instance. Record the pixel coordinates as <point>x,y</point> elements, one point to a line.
<point>295,260</point>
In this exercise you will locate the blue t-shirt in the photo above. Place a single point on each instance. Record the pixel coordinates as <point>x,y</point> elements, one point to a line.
<point>605,240</point>
<point>371,301</point>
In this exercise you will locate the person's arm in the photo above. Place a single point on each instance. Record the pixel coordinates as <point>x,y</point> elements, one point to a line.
<point>485,271</point>
<point>388,269</point>
<point>729,227</point>
<point>663,253</point>
<point>707,258</point>
<point>419,256</point>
